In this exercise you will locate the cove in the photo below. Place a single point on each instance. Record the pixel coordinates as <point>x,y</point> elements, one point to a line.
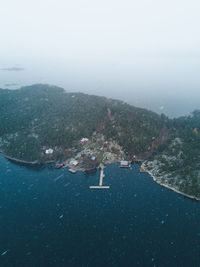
<point>51,217</point>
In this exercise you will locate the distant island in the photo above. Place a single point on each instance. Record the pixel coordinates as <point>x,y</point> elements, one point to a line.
<point>12,69</point>
<point>43,123</point>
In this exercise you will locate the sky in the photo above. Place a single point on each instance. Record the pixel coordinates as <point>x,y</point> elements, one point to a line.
<point>144,52</point>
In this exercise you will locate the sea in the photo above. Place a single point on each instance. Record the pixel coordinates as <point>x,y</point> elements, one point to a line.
<point>50,217</point>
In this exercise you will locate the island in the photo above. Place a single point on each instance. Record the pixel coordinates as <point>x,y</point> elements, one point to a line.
<point>43,123</point>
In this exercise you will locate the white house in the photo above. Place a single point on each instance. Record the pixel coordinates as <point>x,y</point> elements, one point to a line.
<point>73,163</point>
<point>84,140</point>
<point>124,164</point>
<point>49,151</point>
<point>93,158</point>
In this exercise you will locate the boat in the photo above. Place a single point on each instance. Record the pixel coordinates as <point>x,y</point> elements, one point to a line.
<point>72,170</point>
<point>58,165</point>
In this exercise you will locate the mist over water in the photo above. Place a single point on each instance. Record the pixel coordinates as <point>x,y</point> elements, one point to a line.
<point>145,53</point>
<point>172,94</point>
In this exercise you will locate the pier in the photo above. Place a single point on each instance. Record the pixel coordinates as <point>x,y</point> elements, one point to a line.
<point>100,186</point>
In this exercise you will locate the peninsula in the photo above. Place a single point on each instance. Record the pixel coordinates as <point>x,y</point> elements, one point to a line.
<point>43,123</point>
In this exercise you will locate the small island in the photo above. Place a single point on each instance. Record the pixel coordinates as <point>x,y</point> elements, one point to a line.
<point>43,123</point>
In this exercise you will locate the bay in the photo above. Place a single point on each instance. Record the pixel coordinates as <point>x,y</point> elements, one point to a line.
<point>50,217</point>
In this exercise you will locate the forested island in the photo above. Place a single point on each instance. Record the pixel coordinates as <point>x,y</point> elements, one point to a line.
<point>43,123</point>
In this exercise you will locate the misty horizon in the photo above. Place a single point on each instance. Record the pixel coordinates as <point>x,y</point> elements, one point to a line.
<point>170,104</point>
<point>146,54</point>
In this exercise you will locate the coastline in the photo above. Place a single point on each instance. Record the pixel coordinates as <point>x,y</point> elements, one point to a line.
<point>66,163</point>
<point>171,188</point>
<point>36,162</point>
<point>19,160</point>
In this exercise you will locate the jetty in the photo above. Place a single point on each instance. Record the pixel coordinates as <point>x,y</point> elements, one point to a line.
<point>100,186</point>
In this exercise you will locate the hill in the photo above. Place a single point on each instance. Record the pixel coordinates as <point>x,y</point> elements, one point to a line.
<point>176,162</point>
<point>42,115</point>
<point>36,118</point>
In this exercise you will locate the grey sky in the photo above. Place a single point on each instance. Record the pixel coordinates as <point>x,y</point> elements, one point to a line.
<point>123,49</point>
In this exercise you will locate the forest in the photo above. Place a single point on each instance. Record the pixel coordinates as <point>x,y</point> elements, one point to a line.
<point>47,116</point>
<point>37,117</point>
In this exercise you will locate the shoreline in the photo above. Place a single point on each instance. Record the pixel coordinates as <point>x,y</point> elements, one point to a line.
<point>65,165</point>
<point>36,162</point>
<point>171,188</point>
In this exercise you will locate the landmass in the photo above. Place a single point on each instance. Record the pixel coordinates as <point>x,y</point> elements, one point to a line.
<point>43,123</point>
<point>12,69</point>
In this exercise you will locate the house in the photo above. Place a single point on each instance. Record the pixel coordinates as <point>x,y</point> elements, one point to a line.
<point>69,149</point>
<point>102,139</point>
<point>84,140</point>
<point>73,163</point>
<point>49,151</point>
<point>124,164</point>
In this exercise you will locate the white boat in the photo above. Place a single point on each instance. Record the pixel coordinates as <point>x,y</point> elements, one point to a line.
<point>72,170</point>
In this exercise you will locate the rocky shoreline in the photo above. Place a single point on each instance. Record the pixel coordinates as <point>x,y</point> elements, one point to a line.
<point>170,187</point>
<point>34,163</point>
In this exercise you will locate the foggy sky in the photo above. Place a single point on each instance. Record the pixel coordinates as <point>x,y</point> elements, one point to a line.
<point>144,52</point>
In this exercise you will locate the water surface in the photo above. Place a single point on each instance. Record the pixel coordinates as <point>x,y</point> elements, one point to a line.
<point>50,217</point>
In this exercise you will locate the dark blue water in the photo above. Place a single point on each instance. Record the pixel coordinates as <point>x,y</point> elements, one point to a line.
<point>50,217</point>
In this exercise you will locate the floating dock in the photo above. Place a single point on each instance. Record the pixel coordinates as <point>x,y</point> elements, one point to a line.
<point>100,186</point>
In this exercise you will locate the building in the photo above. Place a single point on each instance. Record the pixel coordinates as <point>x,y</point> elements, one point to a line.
<point>84,140</point>
<point>73,163</point>
<point>69,149</point>
<point>124,164</point>
<point>49,151</point>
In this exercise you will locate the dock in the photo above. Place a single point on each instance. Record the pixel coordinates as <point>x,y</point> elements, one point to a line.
<point>100,186</point>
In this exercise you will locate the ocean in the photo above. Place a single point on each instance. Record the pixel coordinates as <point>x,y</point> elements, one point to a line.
<point>50,217</point>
